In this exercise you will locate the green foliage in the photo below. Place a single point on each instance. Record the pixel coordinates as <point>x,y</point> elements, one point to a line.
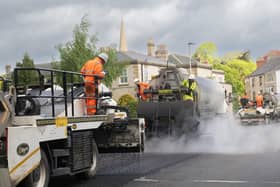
<point>235,72</point>
<point>236,65</point>
<point>1,84</point>
<point>129,102</point>
<point>27,77</point>
<point>75,53</point>
<point>206,52</point>
<point>245,56</point>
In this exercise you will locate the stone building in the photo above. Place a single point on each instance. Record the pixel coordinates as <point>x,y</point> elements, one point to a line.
<point>262,60</point>
<point>265,79</point>
<point>140,66</point>
<point>145,66</point>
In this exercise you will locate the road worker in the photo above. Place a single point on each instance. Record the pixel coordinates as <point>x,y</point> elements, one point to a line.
<point>92,70</point>
<point>259,100</point>
<point>244,101</point>
<point>190,86</point>
<point>141,86</point>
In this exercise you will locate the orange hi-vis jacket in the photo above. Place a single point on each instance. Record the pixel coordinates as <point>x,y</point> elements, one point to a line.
<point>259,100</point>
<point>141,87</point>
<point>93,67</point>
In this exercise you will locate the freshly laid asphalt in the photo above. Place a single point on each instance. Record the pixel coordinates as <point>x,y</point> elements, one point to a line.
<point>198,170</point>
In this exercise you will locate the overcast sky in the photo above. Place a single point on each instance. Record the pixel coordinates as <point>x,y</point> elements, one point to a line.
<point>36,27</point>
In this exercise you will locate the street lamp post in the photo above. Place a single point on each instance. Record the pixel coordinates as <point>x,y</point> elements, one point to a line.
<point>190,53</point>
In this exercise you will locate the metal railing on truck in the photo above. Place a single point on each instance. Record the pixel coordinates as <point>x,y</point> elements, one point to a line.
<point>31,87</point>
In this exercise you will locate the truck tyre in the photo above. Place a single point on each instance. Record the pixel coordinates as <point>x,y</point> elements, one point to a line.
<point>93,168</point>
<point>39,177</point>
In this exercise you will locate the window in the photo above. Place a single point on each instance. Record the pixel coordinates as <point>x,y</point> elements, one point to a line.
<point>269,77</point>
<point>260,80</point>
<point>253,82</point>
<point>123,77</point>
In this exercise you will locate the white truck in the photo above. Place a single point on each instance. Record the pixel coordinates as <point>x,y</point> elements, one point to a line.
<point>45,132</point>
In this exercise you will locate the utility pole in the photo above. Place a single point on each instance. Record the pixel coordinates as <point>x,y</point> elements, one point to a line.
<point>190,53</point>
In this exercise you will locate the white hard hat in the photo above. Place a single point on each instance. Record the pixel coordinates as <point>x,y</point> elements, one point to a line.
<point>136,80</point>
<point>191,76</point>
<point>103,56</point>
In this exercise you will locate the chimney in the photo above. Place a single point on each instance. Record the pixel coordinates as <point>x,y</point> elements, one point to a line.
<point>260,62</point>
<point>151,48</point>
<point>162,52</point>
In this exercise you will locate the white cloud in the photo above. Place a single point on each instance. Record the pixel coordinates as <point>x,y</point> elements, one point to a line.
<point>37,27</point>
<point>51,20</point>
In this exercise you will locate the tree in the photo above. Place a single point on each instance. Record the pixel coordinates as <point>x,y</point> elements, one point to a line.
<point>206,52</point>
<point>236,70</point>
<point>27,77</point>
<point>236,65</point>
<point>237,55</point>
<point>113,67</point>
<point>75,53</point>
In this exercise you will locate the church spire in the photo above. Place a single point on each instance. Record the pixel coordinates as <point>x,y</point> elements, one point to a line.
<point>123,46</point>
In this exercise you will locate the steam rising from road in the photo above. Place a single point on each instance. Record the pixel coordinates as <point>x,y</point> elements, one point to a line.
<point>222,135</point>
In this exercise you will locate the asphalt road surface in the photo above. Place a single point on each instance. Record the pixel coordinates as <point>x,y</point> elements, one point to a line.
<point>195,170</point>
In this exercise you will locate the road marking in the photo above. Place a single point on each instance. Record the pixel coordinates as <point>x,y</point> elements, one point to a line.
<point>144,179</point>
<point>220,181</point>
<point>271,182</point>
<point>235,181</point>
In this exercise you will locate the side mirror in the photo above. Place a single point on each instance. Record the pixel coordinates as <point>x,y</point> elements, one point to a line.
<point>4,84</point>
<point>1,83</point>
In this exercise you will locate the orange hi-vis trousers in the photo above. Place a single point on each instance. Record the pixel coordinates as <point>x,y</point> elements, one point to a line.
<point>90,102</point>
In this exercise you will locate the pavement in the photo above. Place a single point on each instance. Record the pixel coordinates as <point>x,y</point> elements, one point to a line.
<point>195,170</point>
<point>224,154</point>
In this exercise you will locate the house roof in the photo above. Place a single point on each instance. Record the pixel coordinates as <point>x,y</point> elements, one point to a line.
<point>183,61</point>
<point>273,63</point>
<point>132,56</point>
<point>180,59</point>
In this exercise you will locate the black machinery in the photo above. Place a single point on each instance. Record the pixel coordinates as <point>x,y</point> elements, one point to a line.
<point>166,113</point>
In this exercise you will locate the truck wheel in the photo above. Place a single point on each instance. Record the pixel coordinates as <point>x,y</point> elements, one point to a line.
<point>93,168</point>
<point>40,176</point>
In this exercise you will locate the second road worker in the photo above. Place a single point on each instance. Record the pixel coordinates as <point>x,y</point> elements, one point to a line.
<point>91,69</point>
<point>141,86</point>
<point>259,100</point>
<point>190,85</point>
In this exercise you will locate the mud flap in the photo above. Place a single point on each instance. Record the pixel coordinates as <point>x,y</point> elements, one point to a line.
<point>122,136</point>
<point>5,177</point>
